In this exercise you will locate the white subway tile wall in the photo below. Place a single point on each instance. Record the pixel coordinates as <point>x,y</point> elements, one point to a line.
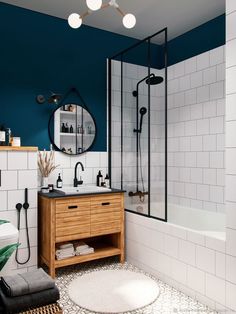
<point>19,171</point>
<point>199,143</point>
<point>230,154</point>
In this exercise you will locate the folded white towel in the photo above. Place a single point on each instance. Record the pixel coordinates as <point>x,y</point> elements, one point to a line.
<point>81,249</point>
<point>66,246</point>
<point>89,250</point>
<point>60,257</point>
<point>65,251</point>
<point>80,245</point>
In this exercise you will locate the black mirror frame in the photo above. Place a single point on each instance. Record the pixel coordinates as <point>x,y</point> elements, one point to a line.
<point>52,140</point>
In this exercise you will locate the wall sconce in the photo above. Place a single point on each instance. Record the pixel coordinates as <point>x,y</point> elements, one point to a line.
<point>53,99</point>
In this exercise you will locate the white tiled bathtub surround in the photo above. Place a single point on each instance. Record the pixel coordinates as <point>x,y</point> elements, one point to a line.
<point>19,171</point>
<point>230,154</point>
<point>92,161</point>
<point>191,260</point>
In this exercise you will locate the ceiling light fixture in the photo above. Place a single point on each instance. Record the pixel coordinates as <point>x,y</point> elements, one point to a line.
<point>75,20</point>
<point>94,5</point>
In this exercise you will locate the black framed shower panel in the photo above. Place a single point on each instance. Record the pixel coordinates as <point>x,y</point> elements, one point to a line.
<point>121,54</point>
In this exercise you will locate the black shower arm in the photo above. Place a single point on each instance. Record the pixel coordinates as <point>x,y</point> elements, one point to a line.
<point>145,78</point>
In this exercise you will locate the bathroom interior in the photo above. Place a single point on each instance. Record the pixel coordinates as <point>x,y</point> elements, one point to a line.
<point>117,156</point>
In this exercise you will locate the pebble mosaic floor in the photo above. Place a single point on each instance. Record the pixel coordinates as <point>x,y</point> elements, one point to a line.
<point>170,300</point>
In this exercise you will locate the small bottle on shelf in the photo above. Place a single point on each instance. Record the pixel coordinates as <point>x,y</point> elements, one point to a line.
<point>2,136</point>
<point>59,182</point>
<point>63,128</point>
<point>66,128</point>
<point>71,129</point>
<point>8,137</point>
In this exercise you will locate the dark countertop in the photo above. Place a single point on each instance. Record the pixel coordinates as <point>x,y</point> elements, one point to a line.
<point>56,194</point>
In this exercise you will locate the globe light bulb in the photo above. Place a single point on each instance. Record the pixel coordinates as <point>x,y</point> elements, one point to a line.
<point>129,20</point>
<point>94,5</point>
<point>74,20</point>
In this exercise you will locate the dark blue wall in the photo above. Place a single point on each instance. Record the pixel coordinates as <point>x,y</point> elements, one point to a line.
<point>40,53</point>
<point>203,38</point>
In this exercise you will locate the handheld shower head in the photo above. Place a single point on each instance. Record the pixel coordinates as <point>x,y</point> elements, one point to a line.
<point>142,112</point>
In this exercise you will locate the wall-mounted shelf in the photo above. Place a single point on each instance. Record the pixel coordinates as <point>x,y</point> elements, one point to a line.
<point>73,134</point>
<point>70,113</point>
<point>19,149</point>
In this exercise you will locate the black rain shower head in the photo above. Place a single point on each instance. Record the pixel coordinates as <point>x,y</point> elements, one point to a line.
<point>154,80</point>
<point>151,79</point>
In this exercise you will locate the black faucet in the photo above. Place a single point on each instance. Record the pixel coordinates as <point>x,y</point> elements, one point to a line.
<point>76,181</point>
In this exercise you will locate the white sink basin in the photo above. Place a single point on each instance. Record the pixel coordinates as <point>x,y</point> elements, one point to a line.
<point>83,189</point>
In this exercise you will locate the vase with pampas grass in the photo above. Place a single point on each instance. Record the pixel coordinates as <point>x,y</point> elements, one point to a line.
<point>46,164</point>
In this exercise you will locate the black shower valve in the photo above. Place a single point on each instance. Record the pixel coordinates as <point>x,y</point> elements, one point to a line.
<point>19,206</point>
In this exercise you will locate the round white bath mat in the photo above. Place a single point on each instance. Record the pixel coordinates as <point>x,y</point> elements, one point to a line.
<point>113,291</point>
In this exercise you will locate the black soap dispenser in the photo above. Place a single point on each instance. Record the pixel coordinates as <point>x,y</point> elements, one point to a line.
<point>99,178</point>
<point>59,181</point>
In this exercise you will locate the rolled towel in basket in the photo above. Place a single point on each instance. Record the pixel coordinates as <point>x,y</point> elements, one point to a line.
<point>25,302</point>
<point>26,283</point>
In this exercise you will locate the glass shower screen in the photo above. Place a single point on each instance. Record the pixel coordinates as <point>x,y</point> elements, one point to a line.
<point>137,104</point>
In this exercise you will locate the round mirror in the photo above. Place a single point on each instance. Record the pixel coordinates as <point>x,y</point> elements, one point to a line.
<point>72,129</point>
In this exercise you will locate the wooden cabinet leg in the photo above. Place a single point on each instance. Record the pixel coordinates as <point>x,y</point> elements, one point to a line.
<point>52,272</point>
<point>122,258</point>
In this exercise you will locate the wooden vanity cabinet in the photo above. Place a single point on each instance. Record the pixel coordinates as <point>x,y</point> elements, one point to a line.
<point>96,219</point>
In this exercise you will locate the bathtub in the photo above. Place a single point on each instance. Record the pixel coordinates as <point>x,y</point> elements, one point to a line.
<point>187,252</point>
<point>205,222</point>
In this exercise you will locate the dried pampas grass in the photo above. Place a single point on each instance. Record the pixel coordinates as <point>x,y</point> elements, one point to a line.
<point>46,163</point>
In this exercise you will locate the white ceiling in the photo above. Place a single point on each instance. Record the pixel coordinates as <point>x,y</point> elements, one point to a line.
<point>152,15</point>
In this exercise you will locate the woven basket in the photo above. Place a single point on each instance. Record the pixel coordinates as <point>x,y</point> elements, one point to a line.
<point>47,309</point>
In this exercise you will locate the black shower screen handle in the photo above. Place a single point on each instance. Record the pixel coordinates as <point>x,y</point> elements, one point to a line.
<point>26,195</point>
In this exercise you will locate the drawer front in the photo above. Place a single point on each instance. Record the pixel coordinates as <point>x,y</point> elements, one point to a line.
<point>106,214</point>
<point>72,219</point>
<point>73,206</point>
<point>72,233</point>
<point>104,203</point>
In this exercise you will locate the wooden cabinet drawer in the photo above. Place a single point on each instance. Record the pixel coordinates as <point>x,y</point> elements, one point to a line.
<point>106,202</point>
<point>73,206</point>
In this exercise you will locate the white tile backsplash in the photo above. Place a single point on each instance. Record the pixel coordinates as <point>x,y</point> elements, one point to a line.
<point>9,180</point>
<point>17,160</point>
<point>3,200</point>
<point>92,161</point>
<point>3,160</point>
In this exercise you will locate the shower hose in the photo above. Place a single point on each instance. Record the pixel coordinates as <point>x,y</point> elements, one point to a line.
<point>19,207</point>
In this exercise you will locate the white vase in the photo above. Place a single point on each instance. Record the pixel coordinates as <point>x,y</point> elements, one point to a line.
<point>44,182</point>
